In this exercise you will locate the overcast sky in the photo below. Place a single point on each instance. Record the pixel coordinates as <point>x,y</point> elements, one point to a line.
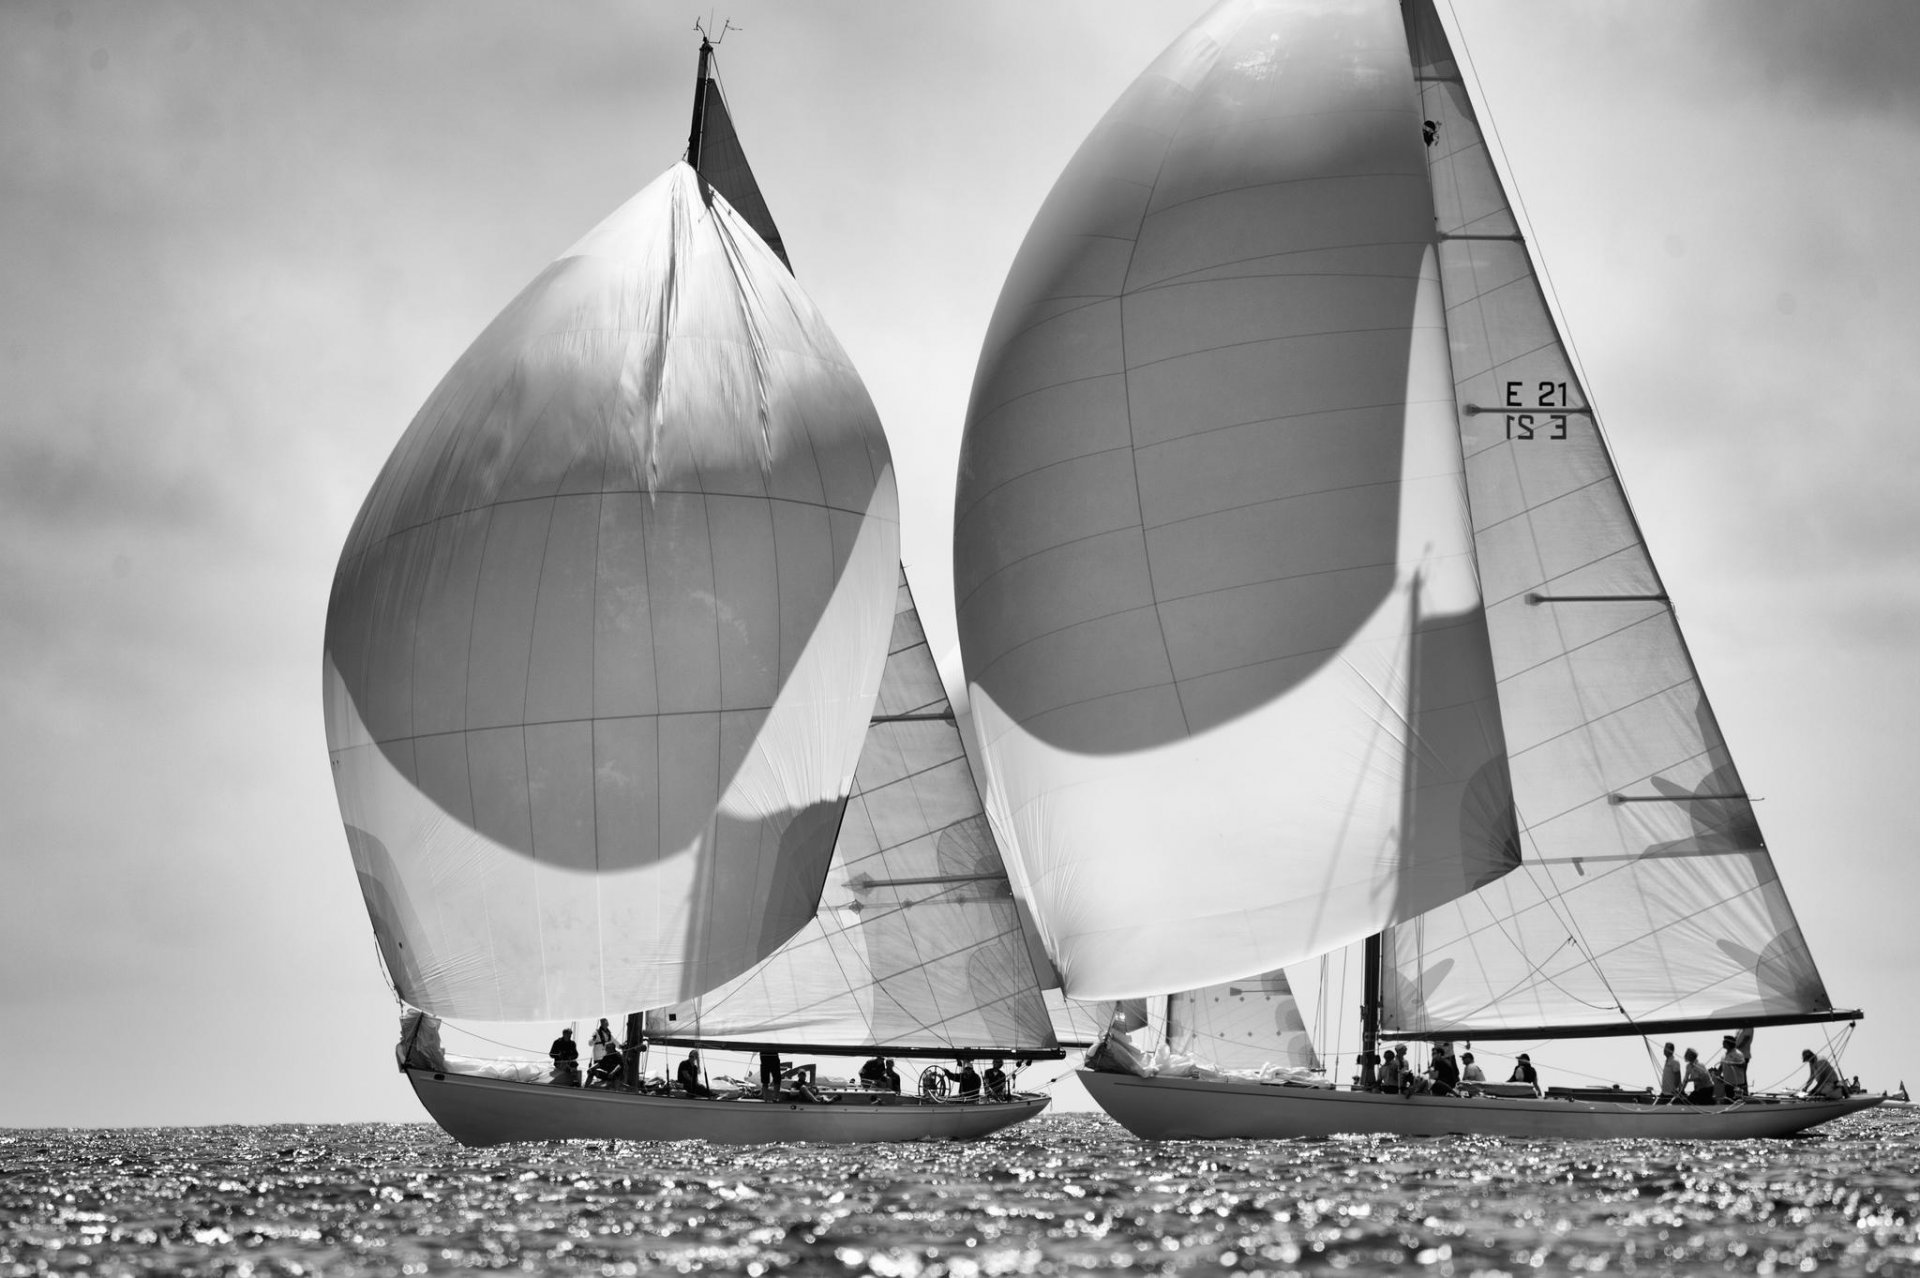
<point>239,244</point>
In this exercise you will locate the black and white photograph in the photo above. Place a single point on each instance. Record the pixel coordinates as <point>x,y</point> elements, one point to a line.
<point>1258,637</point>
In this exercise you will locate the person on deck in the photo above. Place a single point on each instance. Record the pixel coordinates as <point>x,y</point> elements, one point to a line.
<point>601,1045</point>
<point>995,1080</point>
<point>1733,1067</point>
<point>873,1075</point>
<point>1823,1080</point>
<point>688,1076</point>
<point>1470,1072</point>
<point>1699,1086</point>
<point>1444,1070</point>
<point>1669,1076</point>
<point>1524,1072</point>
<point>1389,1071</point>
<point>799,1082</point>
<point>770,1072</point>
<point>967,1077</point>
<point>565,1054</point>
<point>1412,1081</point>
<point>893,1078</point>
<point>605,1071</point>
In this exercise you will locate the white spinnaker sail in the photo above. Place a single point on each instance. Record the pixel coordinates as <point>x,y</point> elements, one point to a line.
<point>606,635</point>
<point>1241,1025</point>
<point>1646,889</point>
<point>1210,524</point>
<point>916,942</point>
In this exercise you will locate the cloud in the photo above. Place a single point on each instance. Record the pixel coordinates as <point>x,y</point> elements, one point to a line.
<point>1857,57</point>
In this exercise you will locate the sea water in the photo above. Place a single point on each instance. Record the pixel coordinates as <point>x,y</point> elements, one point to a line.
<point>1063,1194</point>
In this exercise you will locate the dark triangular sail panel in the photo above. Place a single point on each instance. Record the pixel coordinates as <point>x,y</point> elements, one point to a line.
<point>717,156</point>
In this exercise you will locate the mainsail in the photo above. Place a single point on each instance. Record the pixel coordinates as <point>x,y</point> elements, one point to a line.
<point>916,946</point>
<point>607,632</point>
<point>1647,894</point>
<point>1213,566</point>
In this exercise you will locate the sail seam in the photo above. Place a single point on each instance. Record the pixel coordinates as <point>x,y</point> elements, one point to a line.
<point>1274,340</point>
<point>1568,650</point>
<point>1496,923</point>
<point>1276,184</point>
<point>464,511</point>
<point>1585,727</point>
<point>1197,275</point>
<point>879,986</point>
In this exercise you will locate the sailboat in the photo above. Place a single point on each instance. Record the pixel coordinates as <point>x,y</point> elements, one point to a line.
<point>1302,608</point>
<point>629,705</point>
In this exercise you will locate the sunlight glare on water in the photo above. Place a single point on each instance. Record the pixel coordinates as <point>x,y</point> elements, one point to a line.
<point>1059,1195</point>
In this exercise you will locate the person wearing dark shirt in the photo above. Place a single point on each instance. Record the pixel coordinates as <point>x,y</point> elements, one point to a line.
<point>1444,1071</point>
<point>689,1076</point>
<point>893,1079</point>
<point>1523,1072</point>
<point>995,1080</point>
<point>1670,1076</point>
<point>566,1059</point>
<point>770,1071</point>
<point>873,1075</point>
<point>605,1070</point>
<point>968,1078</point>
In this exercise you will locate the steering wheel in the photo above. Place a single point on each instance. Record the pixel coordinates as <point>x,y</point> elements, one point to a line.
<point>933,1081</point>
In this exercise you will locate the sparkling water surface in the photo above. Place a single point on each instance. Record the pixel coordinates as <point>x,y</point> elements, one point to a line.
<point>1058,1195</point>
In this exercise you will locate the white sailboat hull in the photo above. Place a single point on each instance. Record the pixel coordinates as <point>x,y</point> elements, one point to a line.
<point>487,1111</point>
<point>1191,1109</point>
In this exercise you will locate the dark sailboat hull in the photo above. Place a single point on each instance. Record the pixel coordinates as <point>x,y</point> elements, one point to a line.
<point>487,1111</point>
<point>1193,1109</point>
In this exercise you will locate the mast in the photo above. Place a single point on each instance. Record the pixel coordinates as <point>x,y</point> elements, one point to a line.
<point>701,82</point>
<point>1370,1013</point>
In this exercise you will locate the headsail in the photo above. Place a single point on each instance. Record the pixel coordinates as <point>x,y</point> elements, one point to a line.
<point>605,637</point>
<point>1241,1025</point>
<point>1210,535</point>
<point>1647,893</point>
<point>916,943</point>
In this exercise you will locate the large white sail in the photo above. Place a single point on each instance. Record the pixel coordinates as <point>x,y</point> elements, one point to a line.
<point>1212,561</point>
<point>1647,893</point>
<point>1247,1024</point>
<point>606,635</point>
<point>916,943</point>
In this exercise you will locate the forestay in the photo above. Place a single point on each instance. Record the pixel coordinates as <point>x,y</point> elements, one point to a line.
<point>916,943</point>
<point>1212,559</point>
<point>606,635</point>
<point>1647,891</point>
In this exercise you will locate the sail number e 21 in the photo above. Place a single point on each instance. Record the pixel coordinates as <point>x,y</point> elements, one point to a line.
<point>1524,425</point>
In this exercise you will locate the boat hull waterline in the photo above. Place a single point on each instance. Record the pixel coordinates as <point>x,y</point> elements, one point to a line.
<point>488,1111</point>
<point>1192,1109</point>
